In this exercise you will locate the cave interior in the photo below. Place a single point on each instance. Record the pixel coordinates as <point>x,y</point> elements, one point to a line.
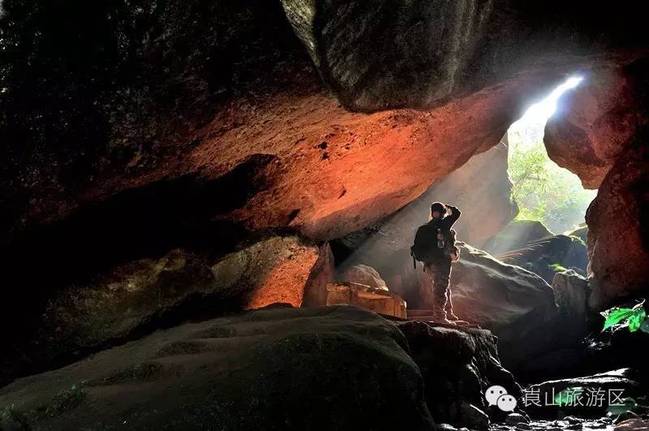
<point>208,208</point>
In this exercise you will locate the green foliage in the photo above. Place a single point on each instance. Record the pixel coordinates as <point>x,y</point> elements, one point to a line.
<point>557,267</point>
<point>633,318</point>
<point>543,191</point>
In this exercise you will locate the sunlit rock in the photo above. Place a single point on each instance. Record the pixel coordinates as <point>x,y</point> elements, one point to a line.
<point>363,274</point>
<point>276,270</point>
<point>378,300</point>
<point>597,121</point>
<point>515,235</point>
<point>496,295</point>
<point>571,292</point>
<point>548,256</point>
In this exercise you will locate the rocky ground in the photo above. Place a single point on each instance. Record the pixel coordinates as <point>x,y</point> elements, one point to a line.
<point>320,368</point>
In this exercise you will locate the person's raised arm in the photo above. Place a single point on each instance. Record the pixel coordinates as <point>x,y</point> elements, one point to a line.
<point>452,218</point>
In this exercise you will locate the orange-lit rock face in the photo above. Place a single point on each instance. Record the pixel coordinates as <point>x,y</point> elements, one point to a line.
<point>285,282</point>
<point>595,124</point>
<point>275,270</point>
<point>334,171</point>
<point>618,243</point>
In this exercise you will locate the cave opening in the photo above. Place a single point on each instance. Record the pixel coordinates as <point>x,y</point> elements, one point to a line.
<point>544,191</point>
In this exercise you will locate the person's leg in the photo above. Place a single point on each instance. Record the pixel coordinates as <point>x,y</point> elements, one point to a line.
<point>440,287</point>
<point>449,303</point>
<point>426,299</point>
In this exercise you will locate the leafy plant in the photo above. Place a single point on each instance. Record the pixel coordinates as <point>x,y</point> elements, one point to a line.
<point>557,267</point>
<point>544,191</point>
<point>633,318</point>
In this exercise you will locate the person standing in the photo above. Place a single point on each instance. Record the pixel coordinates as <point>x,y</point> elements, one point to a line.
<point>435,247</point>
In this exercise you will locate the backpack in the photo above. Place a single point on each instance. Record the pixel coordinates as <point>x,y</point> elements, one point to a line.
<point>428,248</point>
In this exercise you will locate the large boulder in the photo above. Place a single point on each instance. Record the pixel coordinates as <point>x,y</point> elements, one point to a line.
<point>458,365</point>
<point>362,274</point>
<point>597,121</point>
<point>263,367</point>
<point>275,270</point>
<point>548,256</point>
<point>540,330</point>
<point>135,298</point>
<point>618,240</point>
<point>571,292</point>
<point>415,53</point>
<point>377,300</point>
<point>507,299</point>
<point>515,235</point>
<point>584,396</point>
<point>350,367</point>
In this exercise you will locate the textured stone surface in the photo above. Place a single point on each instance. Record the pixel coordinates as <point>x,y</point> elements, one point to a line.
<point>235,373</point>
<point>548,256</point>
<point>458,364</point>
<point>515,235</point>
<point>571,292</point>
<point>435,41</point>
<point>596,122</point>
<point>620,380</point>
<point>415,53</point>
<point>140,296</point>
<point>618,240</point>
<point>276,270</point>
<point>362,274</point>
<point>377,300</point>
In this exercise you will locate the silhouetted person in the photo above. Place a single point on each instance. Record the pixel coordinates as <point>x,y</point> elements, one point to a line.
<point>435,247</point>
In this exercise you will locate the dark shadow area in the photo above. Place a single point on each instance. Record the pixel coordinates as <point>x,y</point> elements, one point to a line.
<point>135,224</point>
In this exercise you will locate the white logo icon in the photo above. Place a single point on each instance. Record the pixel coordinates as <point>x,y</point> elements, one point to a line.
<point>497,396</point>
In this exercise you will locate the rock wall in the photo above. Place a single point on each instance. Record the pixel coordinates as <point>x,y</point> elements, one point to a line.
<point>597,121</point>
<point>601,135</point>
<point>423,46</point>
<point>618,240</point>
<point>419,53</point>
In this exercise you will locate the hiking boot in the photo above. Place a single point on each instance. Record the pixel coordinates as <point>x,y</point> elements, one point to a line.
<point>451,315</point>
<point>441,318</point>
